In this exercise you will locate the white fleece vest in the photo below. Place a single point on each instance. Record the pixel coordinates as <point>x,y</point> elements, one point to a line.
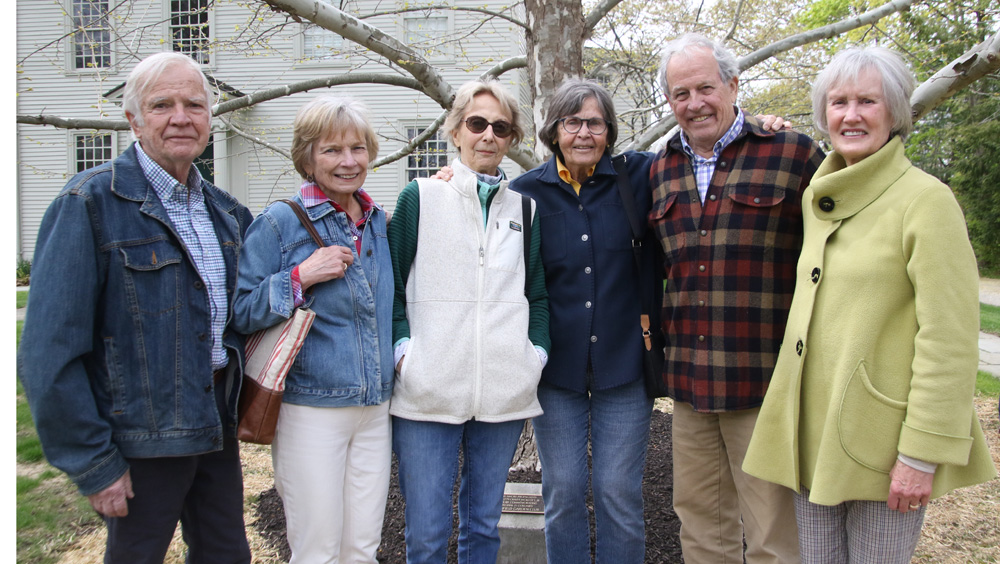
<point>469,355</point>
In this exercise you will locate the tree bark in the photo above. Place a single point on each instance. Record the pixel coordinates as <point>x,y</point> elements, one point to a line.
<point>555,51</point>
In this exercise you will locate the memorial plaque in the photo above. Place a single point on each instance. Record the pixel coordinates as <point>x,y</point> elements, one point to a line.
<point>521,503</point>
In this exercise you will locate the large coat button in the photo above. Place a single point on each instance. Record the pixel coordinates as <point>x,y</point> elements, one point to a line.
<point>815,275</point>
<point>798,347</point>
<point>826,204</point>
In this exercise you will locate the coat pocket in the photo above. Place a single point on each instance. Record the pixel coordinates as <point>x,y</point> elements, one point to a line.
<point>152,275</point>
<point>870,423</point>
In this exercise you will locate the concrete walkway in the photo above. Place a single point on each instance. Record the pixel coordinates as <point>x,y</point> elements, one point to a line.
<point>989,345</point>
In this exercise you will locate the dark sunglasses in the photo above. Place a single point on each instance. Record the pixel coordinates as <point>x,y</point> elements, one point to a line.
<point>478,124</point>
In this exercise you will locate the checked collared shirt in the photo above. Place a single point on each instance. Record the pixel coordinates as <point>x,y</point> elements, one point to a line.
<point>730,263</point>
<point>185,205</point>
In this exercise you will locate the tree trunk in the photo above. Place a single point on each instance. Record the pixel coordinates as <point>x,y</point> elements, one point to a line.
<point>555,51</point>
<point>526,455</point>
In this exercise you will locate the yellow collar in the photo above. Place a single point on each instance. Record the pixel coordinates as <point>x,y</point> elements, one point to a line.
<point>568,178</point>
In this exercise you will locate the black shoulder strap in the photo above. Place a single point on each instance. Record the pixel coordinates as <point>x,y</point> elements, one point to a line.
<point>628,202</point>
<point>526,218</point>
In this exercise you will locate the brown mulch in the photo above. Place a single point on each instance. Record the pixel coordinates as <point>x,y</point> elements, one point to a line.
<point>662,525</point>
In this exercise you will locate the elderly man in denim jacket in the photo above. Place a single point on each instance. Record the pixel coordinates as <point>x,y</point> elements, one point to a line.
<point>130,373</point>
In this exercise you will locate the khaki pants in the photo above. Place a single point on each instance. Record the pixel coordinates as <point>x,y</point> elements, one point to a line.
<point>712,493</point>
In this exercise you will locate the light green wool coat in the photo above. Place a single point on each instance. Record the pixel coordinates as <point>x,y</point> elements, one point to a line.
<point>881,349</point>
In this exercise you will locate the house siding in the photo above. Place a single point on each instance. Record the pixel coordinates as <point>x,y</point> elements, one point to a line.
<point>253,173</point>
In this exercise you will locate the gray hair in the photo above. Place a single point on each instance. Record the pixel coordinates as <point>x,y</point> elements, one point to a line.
<point>567,100</point>
<point>729,68</point>
<point>473,88</point>
<point>847,66</point>
<point>147,72</point>
<point>325,115</point>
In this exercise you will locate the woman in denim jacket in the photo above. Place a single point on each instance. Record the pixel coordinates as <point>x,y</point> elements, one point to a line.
<point>331,450</point>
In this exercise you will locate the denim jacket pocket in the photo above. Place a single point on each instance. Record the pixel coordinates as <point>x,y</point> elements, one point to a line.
<point>869,422</point>
<point>152,276</point>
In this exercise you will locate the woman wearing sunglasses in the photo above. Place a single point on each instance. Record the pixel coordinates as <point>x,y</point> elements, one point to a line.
<point>470,331</point>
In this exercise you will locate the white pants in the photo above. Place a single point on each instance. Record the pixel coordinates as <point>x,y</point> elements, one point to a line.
<point>331,468</point>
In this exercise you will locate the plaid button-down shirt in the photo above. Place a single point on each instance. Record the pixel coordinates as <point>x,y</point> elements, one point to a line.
<point>730,263</point>
<point>185,205</point>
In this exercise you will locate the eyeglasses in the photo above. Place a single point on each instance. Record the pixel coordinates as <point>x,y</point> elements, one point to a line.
<point>478,124</point>
<point>596,126</point>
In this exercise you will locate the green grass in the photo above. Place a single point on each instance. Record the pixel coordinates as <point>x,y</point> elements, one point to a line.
<point>987,384</point>
<point>22,299</point>
<point>989,318</point>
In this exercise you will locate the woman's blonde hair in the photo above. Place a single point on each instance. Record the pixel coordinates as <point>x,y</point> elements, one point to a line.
<point>323,116</point>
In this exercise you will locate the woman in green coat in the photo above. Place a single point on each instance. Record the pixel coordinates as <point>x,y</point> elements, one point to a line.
<point>870,412</point>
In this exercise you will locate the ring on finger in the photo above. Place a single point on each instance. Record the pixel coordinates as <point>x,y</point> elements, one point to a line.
<point>912,506</point>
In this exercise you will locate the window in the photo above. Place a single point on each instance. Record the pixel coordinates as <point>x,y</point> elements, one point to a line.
<point>92,149</point>
<point>426,34</point>
<point>428,157</point>
<point>189,28</point>
<point>91,35</point>
<point>319,43</point>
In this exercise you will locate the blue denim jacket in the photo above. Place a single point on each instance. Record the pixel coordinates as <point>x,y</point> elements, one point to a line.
<point>346,360</point>
<point>115,357</point>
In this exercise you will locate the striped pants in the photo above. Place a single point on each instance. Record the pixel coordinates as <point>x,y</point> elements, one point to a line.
<point>856,532</point>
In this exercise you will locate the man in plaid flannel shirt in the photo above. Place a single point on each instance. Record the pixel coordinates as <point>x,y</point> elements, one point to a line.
<point>727,211</point>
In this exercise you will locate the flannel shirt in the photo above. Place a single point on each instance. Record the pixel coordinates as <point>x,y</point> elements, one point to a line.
<point>730,264</point>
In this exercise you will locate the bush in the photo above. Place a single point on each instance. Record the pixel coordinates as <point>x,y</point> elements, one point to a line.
<point>23,272</point>
<point>975,180</point>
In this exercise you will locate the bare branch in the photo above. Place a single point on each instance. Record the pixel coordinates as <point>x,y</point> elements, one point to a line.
<point>414,143</point>
<point>504,66</point>
<point>655,131</point>
<point>312,84</point>
<point>591,20</point>
<point>524,157</point>
<point>349,27</point>
<point>736,21</point>
<point>972,65</point>
<point>491,13</point>
<point>824,32</point>
<point>75,123</point>
<point>254,138</point>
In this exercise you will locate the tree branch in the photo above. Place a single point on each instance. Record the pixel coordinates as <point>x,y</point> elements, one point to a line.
<point>254,138</point>
<point>504,66</point>
<point>444,7</point>
<point>591,20</point>
<point>75,123</point>
<point>372,38</point>
<point>736,21</point>
<point>972,65</point>
<point>824,32</point>
<point>414,143</point>
<point>325,82</point>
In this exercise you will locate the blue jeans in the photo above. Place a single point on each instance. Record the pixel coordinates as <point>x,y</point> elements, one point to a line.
<point>616,422</point>
<point>427,453</point>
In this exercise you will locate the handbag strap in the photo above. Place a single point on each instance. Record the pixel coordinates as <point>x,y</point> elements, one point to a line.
<point>628,203</point>
<point>306,222</point>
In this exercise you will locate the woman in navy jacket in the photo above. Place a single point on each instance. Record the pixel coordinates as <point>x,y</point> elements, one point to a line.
<point>592,389</point>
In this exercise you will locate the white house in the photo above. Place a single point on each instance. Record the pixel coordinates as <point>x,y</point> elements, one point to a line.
<point>73,57</point>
